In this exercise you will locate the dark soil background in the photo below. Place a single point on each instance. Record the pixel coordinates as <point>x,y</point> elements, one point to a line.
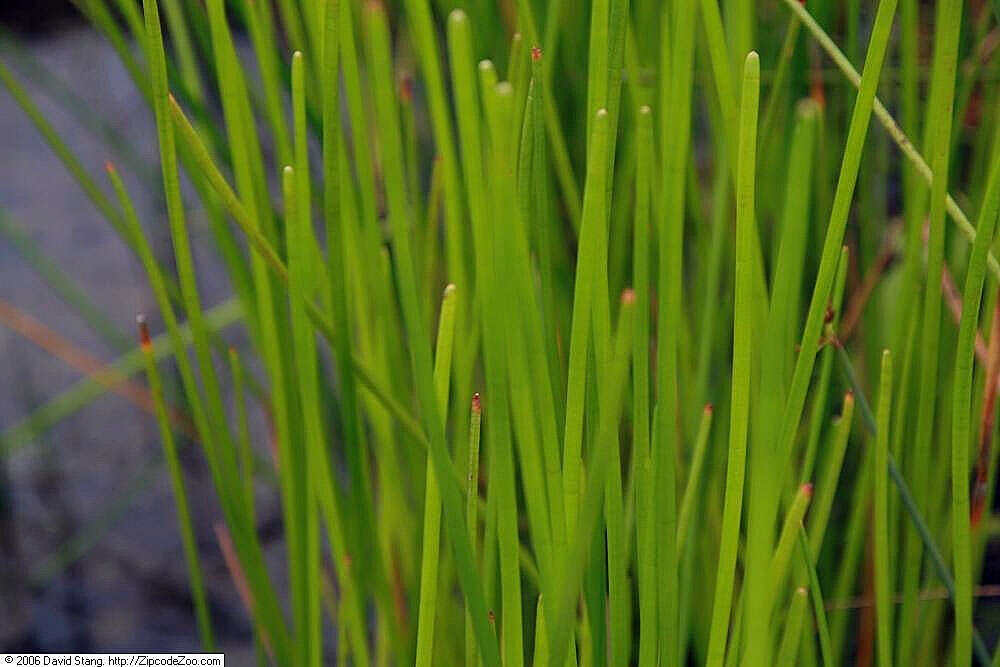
<point>38,17</point>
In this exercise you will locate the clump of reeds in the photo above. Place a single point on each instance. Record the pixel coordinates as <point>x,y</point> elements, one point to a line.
<point>634,266</point>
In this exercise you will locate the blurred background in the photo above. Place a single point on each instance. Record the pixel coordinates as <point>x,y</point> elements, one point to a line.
<point>90,555</point>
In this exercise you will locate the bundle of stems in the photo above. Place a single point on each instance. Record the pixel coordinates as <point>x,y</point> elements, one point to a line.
<point>551,348</point>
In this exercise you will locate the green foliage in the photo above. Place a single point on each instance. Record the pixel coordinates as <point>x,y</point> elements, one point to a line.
<point>744,229</point>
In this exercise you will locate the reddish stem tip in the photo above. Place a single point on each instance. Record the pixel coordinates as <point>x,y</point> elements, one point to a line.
<point>108,167</point>
<point>817,93</point>
<point>144,339</point>
<point>628,296</point>
<point>406,89</point>
<point>477,404</point>
<point>807,490</point>
<point>709,408</point>
<point>536,53</point>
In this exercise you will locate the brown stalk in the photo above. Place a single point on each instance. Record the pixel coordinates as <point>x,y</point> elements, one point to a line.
<point>860,297</point>
<point>398,589</point>
<point>868,601</point>
<point>979,490</point>
<point>954,300</point>
<point>239,577</point>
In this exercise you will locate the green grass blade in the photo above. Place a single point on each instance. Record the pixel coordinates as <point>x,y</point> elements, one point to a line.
<point>677,116</point>
<point>781,77</point>
<point>816,593</point>
<point>432,497</point>
<point>419,338</point>
<point>588,258</point>
<point>597,63</point>
<point>302,276</point>
<point>817,419</point>
<point>939,124</point>
<point>471,507</point>
<point>694,485</point>
<point>191,557</point>
<point>215,433</point>
<point>789,648</point>
<point>714,269</point>
<point>500,364</point>
<point>846,182</point>
<point>830,476</point>
<point>742,362</point>
<point>306,601</point>
<point>369,571</point>
<point>768,463</point>
<point>539,319</point>
<point>423,33</point>
<point>599,460</point>
<point>883,602</point>
<point>961,417</point>
<point>782,555</point>
<point>640,393</point>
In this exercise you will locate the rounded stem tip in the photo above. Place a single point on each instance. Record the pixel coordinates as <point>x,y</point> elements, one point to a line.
<point>144,338</point>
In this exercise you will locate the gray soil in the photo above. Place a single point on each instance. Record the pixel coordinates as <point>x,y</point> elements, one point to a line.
<point>94,481</point>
